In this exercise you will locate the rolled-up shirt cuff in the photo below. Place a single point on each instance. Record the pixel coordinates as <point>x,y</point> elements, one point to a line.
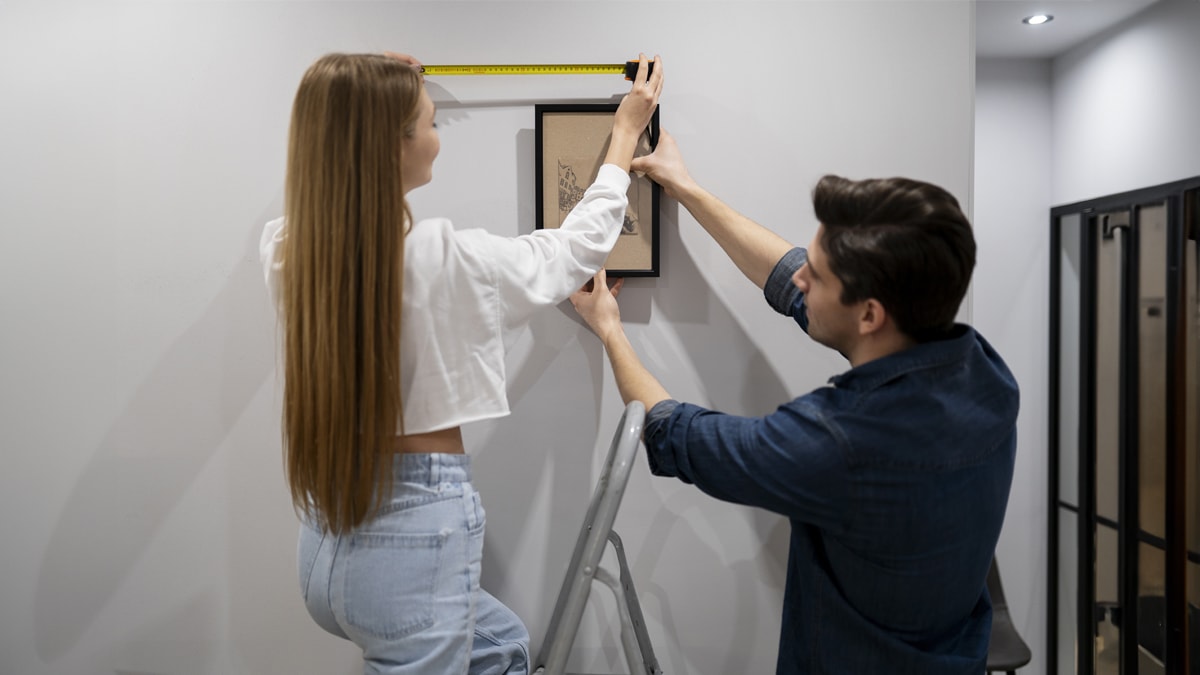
<point>654,433</point>
<point>779,290</point>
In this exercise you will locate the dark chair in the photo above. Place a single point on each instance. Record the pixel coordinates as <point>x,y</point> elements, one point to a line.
<point>1006,650</point>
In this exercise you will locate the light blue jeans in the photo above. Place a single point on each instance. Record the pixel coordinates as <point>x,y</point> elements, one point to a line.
<point>404,586</point>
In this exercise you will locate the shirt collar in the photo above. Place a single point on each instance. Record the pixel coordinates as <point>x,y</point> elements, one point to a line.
<point>872,374</point>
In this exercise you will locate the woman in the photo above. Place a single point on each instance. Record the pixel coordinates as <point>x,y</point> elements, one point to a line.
<point>392,340</point>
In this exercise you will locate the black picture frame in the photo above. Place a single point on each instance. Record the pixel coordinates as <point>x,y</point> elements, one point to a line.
<point>571,140</point>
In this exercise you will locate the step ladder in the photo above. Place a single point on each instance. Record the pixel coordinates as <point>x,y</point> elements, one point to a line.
<point>584,569</point>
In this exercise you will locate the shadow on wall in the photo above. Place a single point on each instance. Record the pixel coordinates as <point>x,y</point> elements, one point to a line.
<point>768,563</point>
<point>737,376</point>
<point>174,422</point>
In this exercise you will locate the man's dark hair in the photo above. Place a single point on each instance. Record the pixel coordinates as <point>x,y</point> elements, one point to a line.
<point>903,242</point>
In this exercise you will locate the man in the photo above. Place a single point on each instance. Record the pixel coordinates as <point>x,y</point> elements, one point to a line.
<point>896,476</point>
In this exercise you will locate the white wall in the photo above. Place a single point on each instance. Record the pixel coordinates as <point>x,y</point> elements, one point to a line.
<point>145,523</point>
<point>1116,113</point>
<point>1126,104</point>
<point>1012,207</point>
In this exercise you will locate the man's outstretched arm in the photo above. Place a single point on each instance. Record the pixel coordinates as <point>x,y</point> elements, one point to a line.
<point>787,462</point>
<point>753,248</point>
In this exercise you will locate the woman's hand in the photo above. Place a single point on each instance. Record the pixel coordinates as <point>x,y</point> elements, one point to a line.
<point>410,60</point>
<point>634,112</point>
<point>637,107</point>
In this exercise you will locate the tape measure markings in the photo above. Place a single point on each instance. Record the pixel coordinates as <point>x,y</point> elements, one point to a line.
<point>629,69</point>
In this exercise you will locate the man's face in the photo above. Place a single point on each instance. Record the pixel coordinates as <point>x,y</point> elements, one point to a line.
<point>830,322</point>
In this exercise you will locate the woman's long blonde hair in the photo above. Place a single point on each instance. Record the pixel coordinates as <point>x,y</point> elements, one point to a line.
<point>342,283</point>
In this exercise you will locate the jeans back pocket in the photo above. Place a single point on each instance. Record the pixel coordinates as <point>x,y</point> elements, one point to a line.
<point>390,582</point>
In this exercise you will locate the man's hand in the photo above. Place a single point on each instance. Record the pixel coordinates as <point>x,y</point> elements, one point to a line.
<point>753,248</point>
<point>665,166</point>
<point>597,304</point>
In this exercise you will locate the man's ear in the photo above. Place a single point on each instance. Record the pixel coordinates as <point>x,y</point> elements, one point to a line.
<point>873,317</point>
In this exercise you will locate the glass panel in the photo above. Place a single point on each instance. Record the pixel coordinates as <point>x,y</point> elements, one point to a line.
<point>1152,606</point>
<point>1193,614</point>
<point>1068,591</point>
<point>1152,375</point>
<point>1148,665</point>
<point>1152,434</point>
<point>1070,258</point>
<point>1108,363</point>
<point>1108,609</point>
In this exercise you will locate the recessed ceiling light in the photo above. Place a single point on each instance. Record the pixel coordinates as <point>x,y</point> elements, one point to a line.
<point>1037,19</point>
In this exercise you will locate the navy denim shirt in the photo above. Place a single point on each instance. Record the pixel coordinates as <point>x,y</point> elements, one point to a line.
<point>895,478</point>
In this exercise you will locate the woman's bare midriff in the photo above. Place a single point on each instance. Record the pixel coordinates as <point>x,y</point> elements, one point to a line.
<point>446,441</point>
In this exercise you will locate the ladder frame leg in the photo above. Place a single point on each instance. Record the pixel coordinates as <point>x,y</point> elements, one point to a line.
<point>589,547</point>
<point>633,611</point>
<point>629,641</point>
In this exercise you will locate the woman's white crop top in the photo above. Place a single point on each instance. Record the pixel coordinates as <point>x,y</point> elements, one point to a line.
<point>463,290</point>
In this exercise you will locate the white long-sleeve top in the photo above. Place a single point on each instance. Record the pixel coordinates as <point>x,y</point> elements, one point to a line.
<point>464,289</point>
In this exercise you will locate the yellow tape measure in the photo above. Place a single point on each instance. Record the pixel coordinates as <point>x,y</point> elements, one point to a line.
<point>629,69</point>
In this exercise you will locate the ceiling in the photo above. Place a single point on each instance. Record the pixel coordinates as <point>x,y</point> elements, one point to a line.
<point>999,32</point>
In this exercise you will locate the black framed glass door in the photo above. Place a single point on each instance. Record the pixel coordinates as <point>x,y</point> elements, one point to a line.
<point>1124,575</point>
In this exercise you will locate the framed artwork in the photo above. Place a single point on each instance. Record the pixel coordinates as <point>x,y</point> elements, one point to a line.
<point>571,141</point>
